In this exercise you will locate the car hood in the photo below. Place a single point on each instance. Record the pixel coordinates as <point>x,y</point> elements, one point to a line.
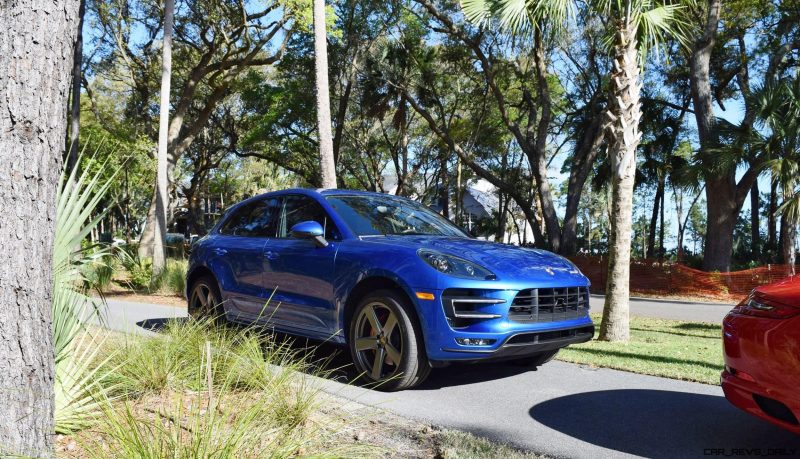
<point>786,291</point>
<point>508,262</point>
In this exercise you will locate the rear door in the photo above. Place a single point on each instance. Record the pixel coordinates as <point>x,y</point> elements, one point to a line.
<point>240,251</point>
<point>301,272</point>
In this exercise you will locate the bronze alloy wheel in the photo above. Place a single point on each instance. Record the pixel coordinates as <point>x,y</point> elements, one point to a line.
<point>204,302</point>
<point>379,342</point>
<point>385,342</point>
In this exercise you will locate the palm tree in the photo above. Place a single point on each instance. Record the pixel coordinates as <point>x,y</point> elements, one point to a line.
<point>326,160</point>
<point>161,191</point>
<point>634,27</point>
<point>777,108</point>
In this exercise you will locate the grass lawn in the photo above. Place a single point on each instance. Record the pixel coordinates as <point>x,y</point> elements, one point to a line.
<point>690,351</point>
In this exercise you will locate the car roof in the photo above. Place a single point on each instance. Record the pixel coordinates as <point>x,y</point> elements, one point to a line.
<point>321,191</point>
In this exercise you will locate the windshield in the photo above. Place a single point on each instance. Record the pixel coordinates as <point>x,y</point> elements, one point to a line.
<point>374,215</point>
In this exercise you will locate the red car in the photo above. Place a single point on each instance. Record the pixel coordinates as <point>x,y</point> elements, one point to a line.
<point>762,354</point>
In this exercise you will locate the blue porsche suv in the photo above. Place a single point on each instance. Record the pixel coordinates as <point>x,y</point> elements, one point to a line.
<point>404,288</point>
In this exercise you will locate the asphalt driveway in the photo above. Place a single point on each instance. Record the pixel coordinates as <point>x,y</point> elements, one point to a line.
<point>561,410</point>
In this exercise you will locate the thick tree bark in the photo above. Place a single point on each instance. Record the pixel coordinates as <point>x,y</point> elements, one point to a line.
<point>77,78</point>
<point>326,161</point>
<point>721,187</point>
<point>724,196</point>
<point>162,168</point>
<point>721,214</point>
<point>625,112</point>
<point>36,53</point>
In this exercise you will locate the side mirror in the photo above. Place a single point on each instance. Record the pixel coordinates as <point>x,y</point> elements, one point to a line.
<point>310,230</point>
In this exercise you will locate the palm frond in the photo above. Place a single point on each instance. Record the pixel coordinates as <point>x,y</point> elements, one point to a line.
<point>657,24</point>
<point>477,12</point>
<point>79,195</point>
<point>790,208</point>
<point>519,16</point>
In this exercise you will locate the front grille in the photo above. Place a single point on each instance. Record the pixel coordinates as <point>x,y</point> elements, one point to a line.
<point>549,304</point>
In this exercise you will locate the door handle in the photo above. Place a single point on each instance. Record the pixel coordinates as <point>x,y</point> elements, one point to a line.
<point>270,255</point>
<point>220,251</point>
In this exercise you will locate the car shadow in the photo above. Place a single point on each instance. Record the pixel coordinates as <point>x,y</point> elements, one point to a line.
<point>656,423</point>
<point>332,361</point>
<point>156,325</point>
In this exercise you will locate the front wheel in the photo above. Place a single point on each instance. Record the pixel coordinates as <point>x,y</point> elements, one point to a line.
<point>386,343</point>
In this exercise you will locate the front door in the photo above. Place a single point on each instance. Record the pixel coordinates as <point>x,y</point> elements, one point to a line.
<point>301,272</point>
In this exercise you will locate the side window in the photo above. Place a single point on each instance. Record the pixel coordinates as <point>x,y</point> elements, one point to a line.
<point>298,209</point>
<point>256,219</point>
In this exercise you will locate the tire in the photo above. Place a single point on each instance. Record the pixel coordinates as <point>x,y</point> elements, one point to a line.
<point>536,360</point>
<point>205,300</point>
<point>375,349</point>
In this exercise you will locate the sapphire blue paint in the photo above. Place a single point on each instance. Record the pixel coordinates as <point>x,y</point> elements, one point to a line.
<point>310,285</point>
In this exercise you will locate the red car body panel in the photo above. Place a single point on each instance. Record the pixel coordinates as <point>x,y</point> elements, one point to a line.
<point>762,356</point>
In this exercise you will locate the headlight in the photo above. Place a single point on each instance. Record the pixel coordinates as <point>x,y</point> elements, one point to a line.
<point>455,266</point>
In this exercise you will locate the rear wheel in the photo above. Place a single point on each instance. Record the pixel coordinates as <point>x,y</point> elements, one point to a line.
<point>205,301</point>
<point>386,343</point>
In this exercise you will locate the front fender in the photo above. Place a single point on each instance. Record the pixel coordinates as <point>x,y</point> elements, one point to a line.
<point>355,264</point>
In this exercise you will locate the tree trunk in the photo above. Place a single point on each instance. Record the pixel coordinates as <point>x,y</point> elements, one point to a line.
<point>755,221</point>
<point>444,185</point>
<point>36,52</point>
<point>721,211</point>
<point>162,170</point>
<point>75,111</point>
<point>661,251</point>
<point>625,110</point>
<point>721,190</point>
<point>326,161</point>
<point>772,223</point>
<point>788,241</point>
<point>651,235</point>
<point>583,160</point>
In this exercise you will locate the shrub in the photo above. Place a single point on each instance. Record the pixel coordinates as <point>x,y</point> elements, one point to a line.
<point>173,278</point>
<point>98,274</point>
<point>141,275</point>
<point>198,390</point>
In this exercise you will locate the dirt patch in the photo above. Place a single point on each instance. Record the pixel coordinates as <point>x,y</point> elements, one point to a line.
<point>117,292</point>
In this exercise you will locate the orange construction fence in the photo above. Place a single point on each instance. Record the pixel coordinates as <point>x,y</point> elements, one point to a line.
<point>654,277</point>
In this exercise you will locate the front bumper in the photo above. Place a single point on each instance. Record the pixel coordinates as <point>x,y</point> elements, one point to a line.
<point>527,344</point>
<point>509,339</point>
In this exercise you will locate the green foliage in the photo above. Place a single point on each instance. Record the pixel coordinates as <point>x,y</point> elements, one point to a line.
<point>76,377</point>
<point>174,277</point>
<point>171,280</point>
<point>199,390</point>
<point>243,360</point>
<point>98,274</point>
<point>141,275</point>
